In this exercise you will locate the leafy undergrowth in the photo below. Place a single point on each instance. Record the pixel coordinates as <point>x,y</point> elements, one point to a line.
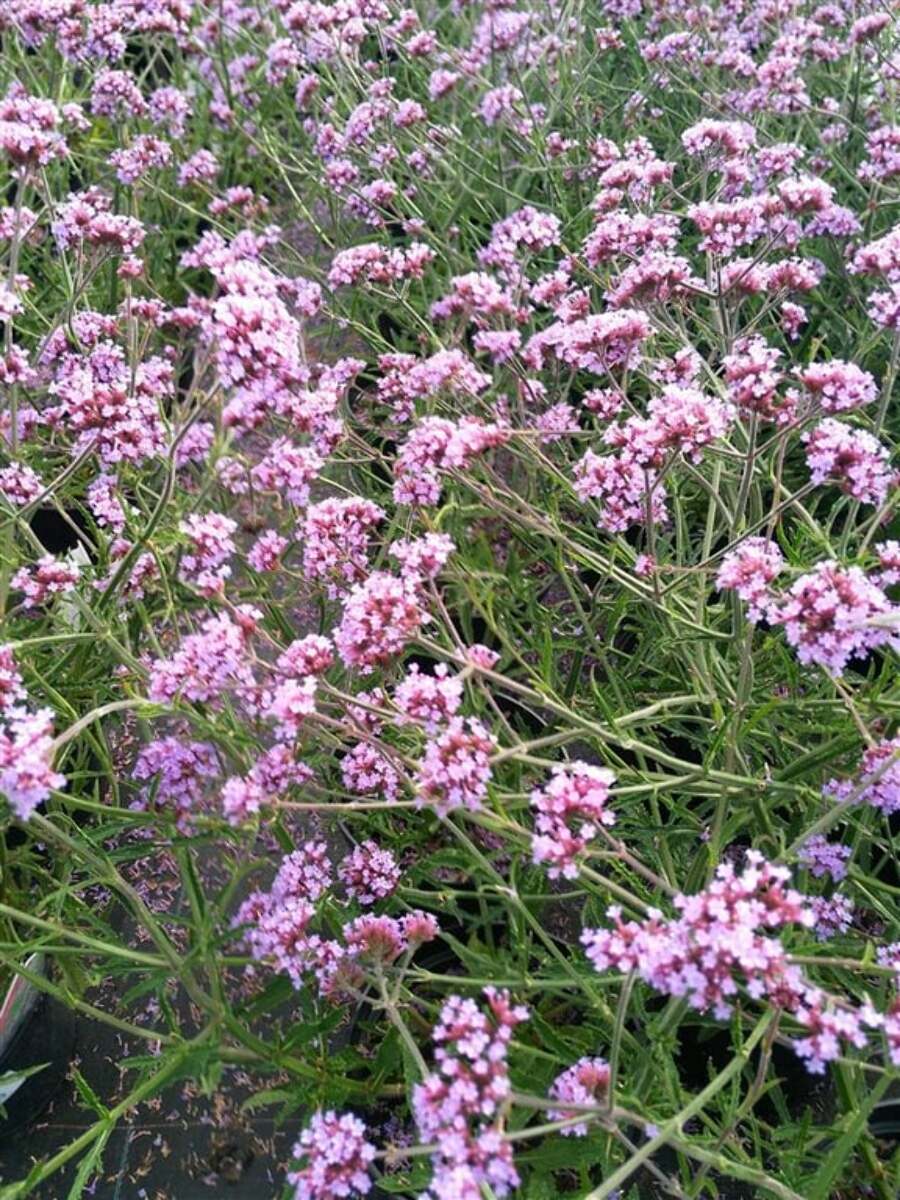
<point>448,488</point>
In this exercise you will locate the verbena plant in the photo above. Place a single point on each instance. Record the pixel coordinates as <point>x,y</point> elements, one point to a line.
<point>447,485</point>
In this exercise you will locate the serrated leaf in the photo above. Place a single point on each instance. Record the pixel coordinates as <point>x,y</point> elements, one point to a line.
<point>90,1165</point>
<point>87,1094</point>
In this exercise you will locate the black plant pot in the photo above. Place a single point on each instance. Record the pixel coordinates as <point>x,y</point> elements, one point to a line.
<point>35,1031</point>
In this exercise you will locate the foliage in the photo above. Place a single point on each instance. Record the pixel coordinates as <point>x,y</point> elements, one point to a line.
<point>446,517</point>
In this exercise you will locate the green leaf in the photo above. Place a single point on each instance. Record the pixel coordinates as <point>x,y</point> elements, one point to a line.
<point>290,1101</point>
<point>846,1143</point>
<point>88,1095</point>
<point>541,1186</point>
<point>555,1152</point>
<point>10,1081</point>
<point>90,1165</point>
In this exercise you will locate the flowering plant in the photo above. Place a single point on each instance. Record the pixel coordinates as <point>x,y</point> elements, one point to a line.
<point>448,526</point>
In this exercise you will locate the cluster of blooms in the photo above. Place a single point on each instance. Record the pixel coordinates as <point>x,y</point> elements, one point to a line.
<point>288,470</point>
<point>208,664</point>
<point>715,939</point>
<point>628,493</point>
<point>681,420</point>
<point>457,1106</point>
<point>367,771</point>
<point>380,616</point>
<point>48,577</point>
<point>889,560</point>
<point>831,615</point>
<point>178,772</point>
<point>456,767</point>
<point>292,701</point>
<point>278,922</point>
<point>597,343</point>
<point>146,153</point>
<point>19,484</point>
<point>852,458</point>
<point>211,545</point>
<point>838,386</point>
<point>585,1082</point>
<point>26,744</point>
<point>825,858</point>
<point>430,700</point>
<point>878,781</point>
<point>110,409</point>
<point>337,1155</point>
<point>86,219</point>
<point>265,553</point>
<point>335,535</point>
<point>12,686</point>
<point>273,773</point>
<point>832,915</point>
<point>30,134</point>
<point>749,570</point>
<point>569,810</point>
<point>369,873</point>
<point>722,938</point>
<point>422,558</point>
<point>437,445</point>
<point>371,263</point>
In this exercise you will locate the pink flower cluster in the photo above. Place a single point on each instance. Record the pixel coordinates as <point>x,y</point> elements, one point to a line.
<point>279,922</point>
<point>722,939</point>
<point>458,1104</point>
<point>102,405</point>
<point>597,343</point>
<point>337,1158</point>
<point>380,616</point>
<point>287,469</point>
<point>372,264</point>
<point>681,420</point>
<point>703,953</point>
<point>831,615</point>
<point>369,873</point>
<point>456,767</point>
<point>569,810</point>
<point>210,546</point>
<point>48,577</point>
<point>838,386</point>
<point>627,491</point>
<point>883,791</point>
<point>437,445</point>
<point>335,535</point>
<point>86,219</point>
<point>177,772</point>
<point>366,770</point>
<point>852,458</point>
<point>430,700</point>
<point>753,377</point>
<point>27,776</point>
<point>208,664</point>
<point>585,1082</point>
<point>749,570</point>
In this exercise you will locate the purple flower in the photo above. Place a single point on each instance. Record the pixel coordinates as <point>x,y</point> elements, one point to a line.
<point>570,808</point>
<point>825,858</point>
<point>369,873</point>
<point>830,615</point>
<point>586,1082</point>
<point>337,1158</point>
<point>455,769</point>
